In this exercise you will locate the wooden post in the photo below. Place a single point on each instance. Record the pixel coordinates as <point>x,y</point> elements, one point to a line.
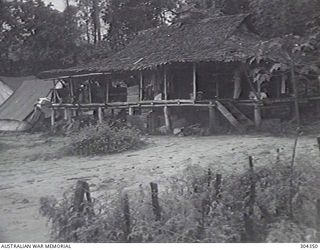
<point>71,88</point>
<point>252,187</point>
<point>82,190</point>
<point>54,91</point>
<point>126,216</point>
<point>278,155</point>
<point>257,116</point>
<point>131,111</point>
<point>213,126</point>
<point>217,185</point>
<point>249,206</point>
<point>155,201</point>
<point>283,87</point>
<point>209,177</point>
<point>52,118</point>
<point>66,114</point>
<point>194,81</point>
<point>318,141</point>
<point>141,86</point>
<point>100,115</point>
<point>109,81</point>
<point>167,118</point>
<point>90,92</point>
<point>165,87</point>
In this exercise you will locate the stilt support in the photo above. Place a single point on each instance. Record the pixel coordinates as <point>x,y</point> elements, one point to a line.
<point>52,118</point>
<point>257,116</point>
<point>100,115</point>
<point>65,111</point>
<point>194,82</point>
<point>167,119</point>
<point>131,111</point>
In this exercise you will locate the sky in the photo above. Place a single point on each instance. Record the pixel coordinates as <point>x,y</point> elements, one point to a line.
<point>57,4</point>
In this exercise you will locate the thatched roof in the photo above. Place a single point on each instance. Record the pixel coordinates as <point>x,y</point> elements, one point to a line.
<point>217,38</point>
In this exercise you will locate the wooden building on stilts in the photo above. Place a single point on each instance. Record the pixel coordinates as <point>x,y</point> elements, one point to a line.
<point>194,71</point>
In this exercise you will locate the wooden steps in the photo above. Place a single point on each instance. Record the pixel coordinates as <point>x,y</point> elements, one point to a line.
<point>234,115</point>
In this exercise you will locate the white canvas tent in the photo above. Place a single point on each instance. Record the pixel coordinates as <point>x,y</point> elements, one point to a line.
<point>10,84</point>
<point>17,112</point>
<point>5,92</point>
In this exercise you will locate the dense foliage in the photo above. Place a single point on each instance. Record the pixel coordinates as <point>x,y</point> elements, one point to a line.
<point>36,37</point>
<point>281,17</point>
<point>127,18</point>
<point>104,138</point>
<point>195,208</point>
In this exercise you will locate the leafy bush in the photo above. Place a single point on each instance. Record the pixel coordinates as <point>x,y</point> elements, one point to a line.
<point>103,138</point>
<point>195,209</point>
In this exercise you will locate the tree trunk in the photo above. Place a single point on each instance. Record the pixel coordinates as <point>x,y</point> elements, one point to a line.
<point>96,21</point>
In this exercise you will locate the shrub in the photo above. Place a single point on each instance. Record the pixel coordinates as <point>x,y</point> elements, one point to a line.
<point>103,138</point>
<point>193,210</point>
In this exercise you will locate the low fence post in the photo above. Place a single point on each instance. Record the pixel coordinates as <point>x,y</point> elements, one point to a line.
<point>100,115</point>
<point>155,201</point>
<point>252,187</point>
<point>126,216</point>
<point>52,118</point>
<point>278,155</point>
<point>249,206</point>
<point>82,190</point>
<point>218,185</point>
<point>209,177</point>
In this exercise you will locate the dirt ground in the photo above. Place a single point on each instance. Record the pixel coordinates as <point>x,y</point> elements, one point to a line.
<point>30,167</point>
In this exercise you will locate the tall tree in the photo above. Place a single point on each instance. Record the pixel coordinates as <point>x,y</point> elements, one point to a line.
<point>279,17</point>
<point>35,37</point>
<point>96,21</point>
<point>85,20</point>
<point>127,17</point>
<point>89,12</point>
